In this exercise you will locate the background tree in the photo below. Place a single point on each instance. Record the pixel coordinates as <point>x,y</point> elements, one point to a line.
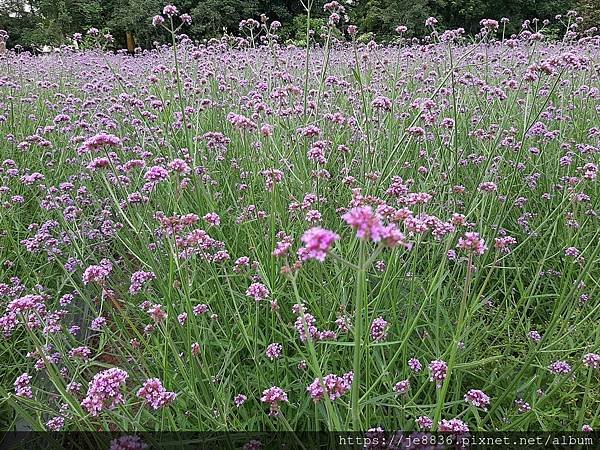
<point>54,21</point>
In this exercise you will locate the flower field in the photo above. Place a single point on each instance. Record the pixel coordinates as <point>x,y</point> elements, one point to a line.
<point>247,235</point>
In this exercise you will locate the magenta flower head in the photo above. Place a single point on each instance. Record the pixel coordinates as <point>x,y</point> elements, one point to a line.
<point>438,370</point>
<point>22,386</point>
<point>477,398</point>
<point>560,368</point>
<point>333,386</point>
<point>154,394</point>
<point>273,396</point>
<point>170,10</point>
<point>591,360</point>
<point>274,351</point>
<point>401,29</point>
<point>402,387</point>
<point>431,21</point>
<point>379,328</point>
<point>318,242</point>
<point>186,19</point>
<point>158,20</point>
<point>138,279</point>
<point>128,442</point>
<point>104,391</point>
<point>453,425</point>
<point>239,400</point>
<point>99,141</point>
<point>97,273</point>
<point>257,291</point>
<point>366,223</point>
<point>424,422</point>
<point>472,242</point>
<point>415,365</point>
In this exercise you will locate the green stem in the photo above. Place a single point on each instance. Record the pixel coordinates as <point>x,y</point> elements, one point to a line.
<point>359,308</point>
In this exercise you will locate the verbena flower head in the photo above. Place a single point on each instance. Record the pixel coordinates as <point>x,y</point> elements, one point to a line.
<point>438,370</point>
<point>367,224</point>
<point>170,11</point>
<point>560,368</point>
<point>415,365</point>
<point>453,426</point>
<point>274,351</point>
<point>22,386</point>
<point>239,400</point>
<point>477,398</point>
<point>424,422</point>
<point>402,387</point>
<point>128,442</point>
<point>591,360</point>
<point>379,328</point>
<point>472,242</point>
<point>154,394</point>
<point>333,386</point>
<point>104,391</point>
<point>317,243</point>
<point>273,396</point>
<point>257,291</point>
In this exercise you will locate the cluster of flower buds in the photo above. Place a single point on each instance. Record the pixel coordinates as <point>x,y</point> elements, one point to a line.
<point>171,11</point>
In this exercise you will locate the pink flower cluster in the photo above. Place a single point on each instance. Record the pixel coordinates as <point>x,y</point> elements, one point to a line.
<point>452,426</point>
<point>97,273</point>
<point>591,360</point>
<point>317,243</point>
<point>369,226</point>
<point>104,391</point>
<point>333,386</point>
<point>22,386</point>
<point>438,370</point>
<point>257,291</point>
<point>472,242</point>
<point>138,279</point>
<point>477,398</point>
<point>273,396</point>
<point>379,328</point>
<point>560,368</point>
<point>154,394</point>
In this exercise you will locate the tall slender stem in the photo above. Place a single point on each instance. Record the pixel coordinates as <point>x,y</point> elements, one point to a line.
<point>359,308</point>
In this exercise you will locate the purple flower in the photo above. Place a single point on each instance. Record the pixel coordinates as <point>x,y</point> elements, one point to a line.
<point>379,328</point>
<point>138,279</point>
<point>97,273</point>
<point>104,391</point>
<point>438,370</point>
<point>274,351</point>
<point>22,387</point>
<point>257,291</point>
<point>591,360</point>
<point>424,422</point>
<point>366,223</point>
<point>170,10</point>
<point>273,396</point>
<point>453,425</point>
<point>317,243</point>
<point>415,365</point>
<point>239,400</point>
<point>471,242</point>
<point>477,398</point>
<point>158,20</point>
<point>559,368</point>
<point>154,394</point>
<point>402,387</point>
<point>333,386</point>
